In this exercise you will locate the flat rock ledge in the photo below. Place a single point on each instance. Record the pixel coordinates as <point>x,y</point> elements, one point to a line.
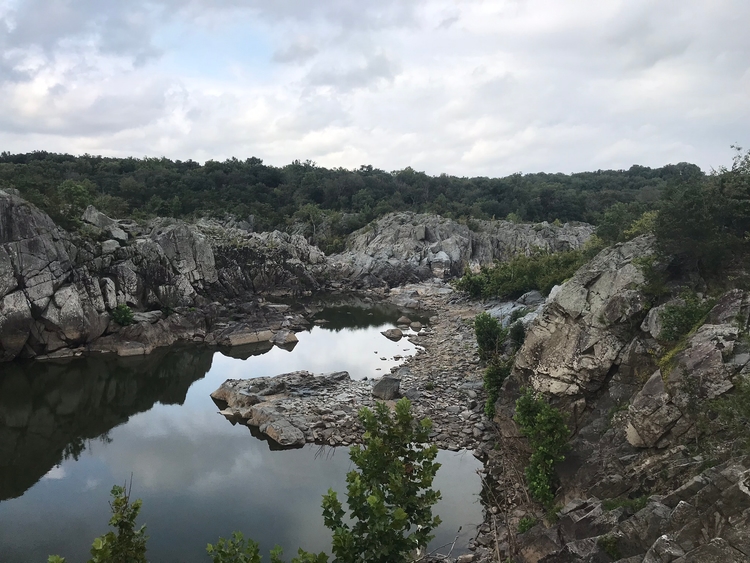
<point>443,381</point>
<point>296,408</point>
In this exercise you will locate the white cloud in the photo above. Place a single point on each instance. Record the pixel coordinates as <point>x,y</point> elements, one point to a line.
<point>470,88</point>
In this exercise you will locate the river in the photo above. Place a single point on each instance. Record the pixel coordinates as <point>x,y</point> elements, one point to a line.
<point>70,430</point>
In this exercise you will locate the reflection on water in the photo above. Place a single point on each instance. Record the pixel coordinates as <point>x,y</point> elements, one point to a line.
<point>69,431</point>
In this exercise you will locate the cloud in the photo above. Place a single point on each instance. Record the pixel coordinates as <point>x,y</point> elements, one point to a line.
<point>297,52</point>
<point>470,88</point>
<point>373,70</point>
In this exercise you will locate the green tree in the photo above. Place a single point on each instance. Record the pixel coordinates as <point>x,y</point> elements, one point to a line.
<point>390,496</point>
<point>127,544</point>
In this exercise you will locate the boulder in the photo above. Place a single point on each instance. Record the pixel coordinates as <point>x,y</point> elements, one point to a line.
<point>387,388</point>
<point>100,220</point>
<point>394,334</point>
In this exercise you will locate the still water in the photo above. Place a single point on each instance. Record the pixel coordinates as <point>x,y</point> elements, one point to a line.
<point>70,430</point>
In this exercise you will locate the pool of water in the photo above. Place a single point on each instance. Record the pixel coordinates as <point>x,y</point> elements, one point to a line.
<point>70,430</point>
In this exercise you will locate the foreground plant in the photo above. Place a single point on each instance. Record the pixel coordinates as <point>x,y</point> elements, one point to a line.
<point>390,496</point>
<point>124,545</point>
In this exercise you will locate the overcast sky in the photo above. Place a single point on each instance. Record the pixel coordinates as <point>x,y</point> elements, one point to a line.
<point>467,87</point>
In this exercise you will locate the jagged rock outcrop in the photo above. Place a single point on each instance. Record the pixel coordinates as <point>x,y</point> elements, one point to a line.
<point>58,288</point>
<point>596,350</point>
<point>703,521</point>
<point>407,247</point>
<point>663,412</point>
<point>586,324</point>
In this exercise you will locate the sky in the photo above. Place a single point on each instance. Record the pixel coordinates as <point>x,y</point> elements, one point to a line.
<point>464,87</point>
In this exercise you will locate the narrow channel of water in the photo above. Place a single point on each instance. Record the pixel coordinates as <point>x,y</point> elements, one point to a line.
<point>70,430</point>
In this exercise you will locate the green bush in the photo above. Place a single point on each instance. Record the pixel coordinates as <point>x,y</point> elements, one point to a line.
<point>490,335</point>
<point>517,334</point>
<point>390,497</point>
<point>238,550</point>
<point>609,543</point>
<point>127,544</point>
<point>679,319</point>
<point>733,420</point>
<point>511,279</point>
<point>122,315</point>
<point>526,523</point>
<point>545,428</point>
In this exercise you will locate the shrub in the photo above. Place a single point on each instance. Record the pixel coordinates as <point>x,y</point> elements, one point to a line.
<point>390,497</point>
<point>511,279</point>
<point>545,428</point>
<point>609,543</point>
<point>127,544</point>
<point>679,319</point>
<point>497,371</point>
<point>122,315</point>
<point>517,334</point>
<point>733,410</point>
<point>526,523</point>
<point>490,335</point>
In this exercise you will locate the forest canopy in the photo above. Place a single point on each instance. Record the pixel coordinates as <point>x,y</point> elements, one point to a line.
<point>273,197</point>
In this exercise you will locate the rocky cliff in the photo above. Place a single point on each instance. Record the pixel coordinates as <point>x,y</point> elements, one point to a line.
<point>408,247</point>
<point>638,409</point>
<point>58,288</point>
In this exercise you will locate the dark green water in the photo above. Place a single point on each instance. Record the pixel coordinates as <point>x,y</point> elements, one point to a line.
<point>70,430</point>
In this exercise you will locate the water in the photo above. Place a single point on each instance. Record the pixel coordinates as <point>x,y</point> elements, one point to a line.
<point>70,430</point>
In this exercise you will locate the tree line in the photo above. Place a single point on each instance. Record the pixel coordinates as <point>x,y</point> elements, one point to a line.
<point>273,197</point>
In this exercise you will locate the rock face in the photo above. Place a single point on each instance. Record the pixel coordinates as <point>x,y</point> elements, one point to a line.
<point>592,350</point>
<point>408,247</point>
<point>705,520</point>
<point>586,324</point>
<point>662,413</point>
<point>57,288</point>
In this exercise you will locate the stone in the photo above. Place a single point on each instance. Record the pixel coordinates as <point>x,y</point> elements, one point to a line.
<point>578,336</point>
<point>394,334</point>
<point>403,320</point>
<point>387,388</point>
<point>416,326</point>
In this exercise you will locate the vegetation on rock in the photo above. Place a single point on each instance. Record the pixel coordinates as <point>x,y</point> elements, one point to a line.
<point>544,426</point>
<point>122,315</point>
<point>511,279</point>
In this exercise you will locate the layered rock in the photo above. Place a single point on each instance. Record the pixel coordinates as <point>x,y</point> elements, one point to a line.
<point>57,289</point>
<point>586,324</point>
<point>705,520</point>
<point>408,247</point>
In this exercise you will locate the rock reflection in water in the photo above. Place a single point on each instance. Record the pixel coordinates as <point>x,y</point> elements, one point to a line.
<point>199,477</point>
<point>50,410</point>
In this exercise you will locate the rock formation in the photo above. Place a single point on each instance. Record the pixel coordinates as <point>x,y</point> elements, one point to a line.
<point>592,351</point>
<point>408,247</point>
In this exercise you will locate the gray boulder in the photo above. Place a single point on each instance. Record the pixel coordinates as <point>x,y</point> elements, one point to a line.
<point>387,388</point>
